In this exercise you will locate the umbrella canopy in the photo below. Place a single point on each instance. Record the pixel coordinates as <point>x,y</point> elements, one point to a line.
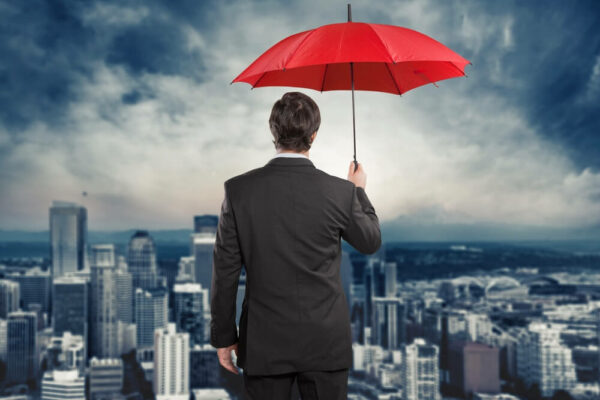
<point>355,56</point>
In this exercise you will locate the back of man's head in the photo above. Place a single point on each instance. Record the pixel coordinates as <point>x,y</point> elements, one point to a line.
<point>294,118</point>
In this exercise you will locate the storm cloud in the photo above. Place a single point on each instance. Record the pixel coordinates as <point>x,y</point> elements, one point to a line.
<point>130,101</point>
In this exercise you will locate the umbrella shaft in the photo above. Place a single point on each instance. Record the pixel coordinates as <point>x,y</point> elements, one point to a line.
<point>353,118</point>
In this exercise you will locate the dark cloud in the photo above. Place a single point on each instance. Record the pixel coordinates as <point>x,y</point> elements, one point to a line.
<point>156,47</point>
<point>47,48</point>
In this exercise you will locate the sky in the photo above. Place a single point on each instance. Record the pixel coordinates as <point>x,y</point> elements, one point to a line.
<point>131,102</point>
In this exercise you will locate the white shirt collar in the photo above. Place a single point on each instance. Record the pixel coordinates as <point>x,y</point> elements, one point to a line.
<point>289,155</point>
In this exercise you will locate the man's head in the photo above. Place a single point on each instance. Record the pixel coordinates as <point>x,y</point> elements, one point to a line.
<point>294,119</point>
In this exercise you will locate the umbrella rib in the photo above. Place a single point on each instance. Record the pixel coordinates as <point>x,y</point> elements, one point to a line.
<point>393,79</point>
<point>459,70</point>
<point>296,49</point>
<point>258,80</point>
<point>324,73</point>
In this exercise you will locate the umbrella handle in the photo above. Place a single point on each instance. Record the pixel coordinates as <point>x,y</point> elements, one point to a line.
<point>355,165</point>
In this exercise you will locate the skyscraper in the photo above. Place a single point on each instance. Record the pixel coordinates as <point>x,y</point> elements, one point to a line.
<point>70,306</point>
<point>103,311</point>
<point>141,260</point>
<point>35,287</point>
<point>389,328</point>
<point>125,298</point>
<point>542,359</point>
<point>189,311</point>
<point>390,279</point>
<point>420,374</point>
<point>203,245</point>
<point>151,313</point>
<point>171,364</point>
<point>68,237</point>
<point>21,349</point>
<point>9,297</point>
<point>206,223</point>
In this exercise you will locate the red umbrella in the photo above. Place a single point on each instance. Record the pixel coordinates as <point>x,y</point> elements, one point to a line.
<point>356,56</point>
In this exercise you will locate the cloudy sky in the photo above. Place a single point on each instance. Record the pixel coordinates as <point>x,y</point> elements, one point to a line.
<point>130,101</point>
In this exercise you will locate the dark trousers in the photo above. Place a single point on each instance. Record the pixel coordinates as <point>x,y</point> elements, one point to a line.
<point>313,385</point>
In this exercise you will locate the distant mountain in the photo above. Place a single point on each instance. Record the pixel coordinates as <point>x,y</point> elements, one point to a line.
<point>167,235</point>
<point>401,229</point>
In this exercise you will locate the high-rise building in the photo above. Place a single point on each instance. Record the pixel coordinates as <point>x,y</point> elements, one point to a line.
<point>63,385</point>
<point>151,313</point>
<point>390,269</point>
<point>141,260</point>
<point>103,311</point>
<point>542,359</point>
<point>70,306</point>
<point>203,245</point>
<point>189,310</point>
<point>21,349</point>
<point>420,374</point>
<point>203,373</point>
<point>171,364</point>
<point>3,339</point>
<point>206,223</point>
<point>68,237</point>
<point>389,328</point>
<point>474,368</point>
<point>106,378</point>
<point>9,297</point>
<point>125,298</point>
<point>35,286</point>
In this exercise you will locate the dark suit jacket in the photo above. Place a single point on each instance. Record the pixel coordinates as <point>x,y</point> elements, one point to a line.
<point>284,222</point>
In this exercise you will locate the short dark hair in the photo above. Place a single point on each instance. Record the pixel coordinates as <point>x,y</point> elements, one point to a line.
<point>294,118</point>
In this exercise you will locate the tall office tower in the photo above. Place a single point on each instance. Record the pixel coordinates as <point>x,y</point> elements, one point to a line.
<point>106,378</point>
<point>125,298</point>
<point>189,311</point>
<point>171,364</point>
<point>206,223</point>
<point>63,385</point>
<point>389,323</point>
<point>103,310</point>
<point>420,377</point>
<point>358,294</point>
<point>151,313</point>
<point>474,368</point>
<point>141,260</point>
<point>390,269</point>
<point>68,237</point>
<point>21,349</point>
<point>9,297</point>
<point>203,373</point>
<point>203,245</point>
<point>66,352</point>
<point>35,286</point>
<point>542,359</point>
<point>70,306</point>
<point>186,270</point>
<point>3,339</point>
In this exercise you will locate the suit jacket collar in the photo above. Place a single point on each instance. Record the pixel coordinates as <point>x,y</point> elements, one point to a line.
<point>290,162</point>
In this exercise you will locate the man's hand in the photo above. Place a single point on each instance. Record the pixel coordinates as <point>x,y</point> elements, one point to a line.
<point>225,359</point>
<point>358,177</point>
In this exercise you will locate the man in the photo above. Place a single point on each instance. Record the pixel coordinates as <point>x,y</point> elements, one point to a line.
<point>284,222</point>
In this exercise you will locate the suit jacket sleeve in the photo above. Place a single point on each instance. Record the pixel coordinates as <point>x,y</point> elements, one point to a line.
<point>226,268</point>
<point>363,231</point>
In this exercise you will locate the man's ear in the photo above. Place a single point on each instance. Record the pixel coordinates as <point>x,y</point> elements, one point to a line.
<point>312,138</point>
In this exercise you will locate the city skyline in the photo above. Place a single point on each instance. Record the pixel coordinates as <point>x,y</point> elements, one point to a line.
<point>151,135</point>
